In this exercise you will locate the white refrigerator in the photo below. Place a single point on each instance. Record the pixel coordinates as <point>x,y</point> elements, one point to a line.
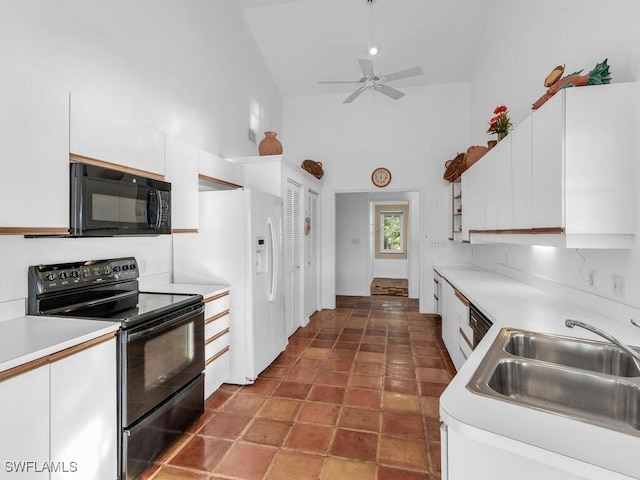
<point>239,243</point>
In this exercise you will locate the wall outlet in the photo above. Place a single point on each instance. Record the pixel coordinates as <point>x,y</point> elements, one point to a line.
<point>143,265</point>
<point>592,278</point>
<point>617,286</point>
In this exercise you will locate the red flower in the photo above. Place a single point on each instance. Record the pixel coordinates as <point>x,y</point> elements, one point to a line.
<point>500,109</point>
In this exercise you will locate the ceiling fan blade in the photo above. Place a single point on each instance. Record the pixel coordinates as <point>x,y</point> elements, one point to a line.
<point>409,72</point>
<point>389,92</point>
<point>354,95</point>
<point>336,82</point>
<point>366,67</point>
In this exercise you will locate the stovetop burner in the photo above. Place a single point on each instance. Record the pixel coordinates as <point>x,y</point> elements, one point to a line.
<point>99,290</point>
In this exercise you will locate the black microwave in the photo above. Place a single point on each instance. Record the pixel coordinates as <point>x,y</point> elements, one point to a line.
<point>106,202</point>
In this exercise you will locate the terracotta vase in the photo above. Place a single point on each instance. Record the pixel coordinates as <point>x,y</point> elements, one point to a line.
<point>270,145</point>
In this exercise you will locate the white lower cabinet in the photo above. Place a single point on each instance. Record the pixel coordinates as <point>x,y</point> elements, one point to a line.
<point>24,420</point>
<point>84,412</point>
<point>500,458</point>
<point>455,317</point>
<point>217,318</point>
<point>59,420</point>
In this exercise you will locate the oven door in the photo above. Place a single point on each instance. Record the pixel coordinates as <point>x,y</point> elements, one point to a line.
<point>158,359</point>
<point>106,202</point>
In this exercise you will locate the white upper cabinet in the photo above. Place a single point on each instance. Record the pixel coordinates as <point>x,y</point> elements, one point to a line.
<point>565,177</point>
<point>473,199</point>
<point>99,133</point>
<point>182,172</point>
<point>498,211</point>
<point>217,172</point>
<point>34,120</point>
<point>521,175</point>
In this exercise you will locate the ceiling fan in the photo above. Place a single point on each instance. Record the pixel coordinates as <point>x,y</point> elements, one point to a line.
<point>369,79</point>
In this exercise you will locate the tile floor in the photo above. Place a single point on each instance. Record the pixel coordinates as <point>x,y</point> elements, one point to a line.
<point>353,397</point>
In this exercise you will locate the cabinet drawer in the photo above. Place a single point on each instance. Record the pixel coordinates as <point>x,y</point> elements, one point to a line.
<point>216,305</point>
<point>215,344</point>
<point>215,325</point>
<point>466,328</point>
<point>216,373</point>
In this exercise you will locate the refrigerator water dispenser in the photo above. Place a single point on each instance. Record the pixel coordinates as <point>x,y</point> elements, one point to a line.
<point>261,255</point>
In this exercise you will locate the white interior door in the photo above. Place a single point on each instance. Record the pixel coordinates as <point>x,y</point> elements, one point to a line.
<point>293,257</point>
<point>311,277</point>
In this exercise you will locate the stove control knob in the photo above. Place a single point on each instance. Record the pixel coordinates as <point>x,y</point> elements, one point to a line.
<point>75,273</point>
<point>132,266</point>
<point>62,275</point>
<point>125,267</point>
<point>116,268</point>
<point>50,277</point>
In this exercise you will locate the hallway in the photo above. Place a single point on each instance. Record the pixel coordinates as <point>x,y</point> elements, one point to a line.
<point>355,395</point>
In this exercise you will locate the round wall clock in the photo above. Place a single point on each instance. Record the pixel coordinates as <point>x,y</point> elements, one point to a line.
<point>381,177</point>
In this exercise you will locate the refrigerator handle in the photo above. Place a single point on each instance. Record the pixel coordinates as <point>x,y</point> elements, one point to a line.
<point>274,263</point>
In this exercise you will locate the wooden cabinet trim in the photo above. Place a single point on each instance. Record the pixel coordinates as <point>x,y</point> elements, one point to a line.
<point>39,362</point>
<point>219,181</point>
<point>216,336</point>
<point>216,356</point>
<point>67,352</point>
<point>184,230</point>
<point>464,337</point>
<point>523,231</point>
<point>115,166</point>
<point>216,297</point>
<point>34,231</point>
<point>217,316</point>
<point>461,297</point>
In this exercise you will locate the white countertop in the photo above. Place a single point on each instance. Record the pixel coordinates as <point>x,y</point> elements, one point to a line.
<point>29,338</point>
<point>510,303</point>
<point>206,290</point>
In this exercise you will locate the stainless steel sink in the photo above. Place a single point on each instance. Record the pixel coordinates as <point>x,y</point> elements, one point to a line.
<point>586,380</point>
<point>573,352</point>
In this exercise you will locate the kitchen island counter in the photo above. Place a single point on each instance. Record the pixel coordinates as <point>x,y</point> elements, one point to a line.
<point>572,445</point>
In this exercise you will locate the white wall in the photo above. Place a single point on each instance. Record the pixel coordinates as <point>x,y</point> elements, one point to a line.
<point>523,41</point>
<point>189,68</point>
<point>413,137</point>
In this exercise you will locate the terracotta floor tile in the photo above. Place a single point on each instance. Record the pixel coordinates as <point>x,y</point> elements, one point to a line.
<point>388,473</point>
<point>360,419</point>
<point>319,413</point>
<point>309,438</point>
<point>400,371</point>
<point>355,444</point>
<point>433,375</point>
<point>327,393</point>
<point>292,390</point>
<point>301,375</point>
<point>340,469</point>
<point>225,425</point>
<point>267,432</point>
<point>400,452</point>
<point>373,369</point>
<point>337,379</point>
<point>358,397</point>
<point>289,465</point>
<point>262,386</point>
<point>280,409</point>
<point>402,425</point>
<point>401,402</point>
<point>174,473</point>
<point>246,461</point>
<point>430,406</point>
<point>316,352</point>
<point>364,381</point>
<point>400,385</point>
<point>355,396</point>
<point>242,403</point>
<point>201,453</point>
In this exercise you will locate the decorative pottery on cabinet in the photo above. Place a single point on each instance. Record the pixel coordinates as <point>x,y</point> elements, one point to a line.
<point>270,145</point>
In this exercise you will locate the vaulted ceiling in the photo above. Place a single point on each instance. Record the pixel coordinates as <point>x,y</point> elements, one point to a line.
<point>304,41</point>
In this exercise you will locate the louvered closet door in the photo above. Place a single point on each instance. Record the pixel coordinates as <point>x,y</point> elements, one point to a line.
<point>293,257</point>
<point>311,277</point>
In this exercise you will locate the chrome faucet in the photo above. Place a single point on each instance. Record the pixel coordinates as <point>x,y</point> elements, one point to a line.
<point>576,323</point>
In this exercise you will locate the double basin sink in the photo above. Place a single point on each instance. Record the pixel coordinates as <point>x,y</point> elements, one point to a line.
<point>591,381</point>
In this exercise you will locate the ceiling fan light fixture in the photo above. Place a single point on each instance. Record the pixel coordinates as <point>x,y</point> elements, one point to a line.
<point>374,49</point>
